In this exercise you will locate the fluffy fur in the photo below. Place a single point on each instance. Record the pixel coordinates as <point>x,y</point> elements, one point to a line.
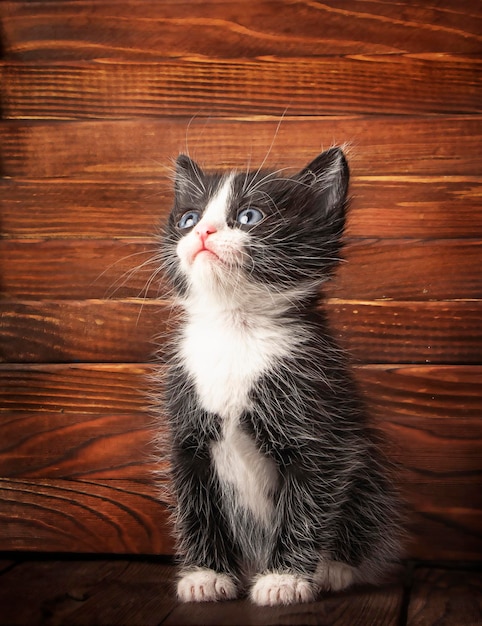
<point>278,480</point>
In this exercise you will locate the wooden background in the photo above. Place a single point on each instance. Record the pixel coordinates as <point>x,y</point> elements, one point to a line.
<point>97,97</point>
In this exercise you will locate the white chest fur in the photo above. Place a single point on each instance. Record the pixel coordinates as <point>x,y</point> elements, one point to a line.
<point>226,354</point>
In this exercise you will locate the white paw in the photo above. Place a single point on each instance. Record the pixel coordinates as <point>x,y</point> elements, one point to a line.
<point>205,585</point>
<point>334,576</point>
<point>273,589</point>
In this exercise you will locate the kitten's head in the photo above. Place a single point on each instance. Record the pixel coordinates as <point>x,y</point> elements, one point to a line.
<point>256,228</point>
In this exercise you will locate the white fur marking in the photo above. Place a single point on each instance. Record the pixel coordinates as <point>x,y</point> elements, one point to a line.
<point>205,585</point>
<point>273,589</point>
<point>254,477</point>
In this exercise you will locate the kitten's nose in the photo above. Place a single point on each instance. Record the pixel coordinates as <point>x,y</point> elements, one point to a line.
<point>204,230</point>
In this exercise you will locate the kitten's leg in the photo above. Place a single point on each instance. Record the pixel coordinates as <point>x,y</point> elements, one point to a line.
<point>208,553</point>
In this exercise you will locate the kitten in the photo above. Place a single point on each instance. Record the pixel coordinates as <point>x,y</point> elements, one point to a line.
<point>277,478</point>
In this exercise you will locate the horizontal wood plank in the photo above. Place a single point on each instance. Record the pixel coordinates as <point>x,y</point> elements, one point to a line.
<point>150,30</point>
<point>359,84</point>
<point>383,146</point>
<point>88,388</point>
<point>118,516</point>
<point>62,331</point>
<point>390,207</point>
<point>373,269</point>
<point>449,597</point>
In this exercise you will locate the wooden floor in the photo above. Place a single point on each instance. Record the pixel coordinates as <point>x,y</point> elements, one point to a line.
<point>141,592</point>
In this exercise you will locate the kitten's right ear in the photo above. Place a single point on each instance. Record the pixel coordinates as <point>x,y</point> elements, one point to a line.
<point>189,176</point>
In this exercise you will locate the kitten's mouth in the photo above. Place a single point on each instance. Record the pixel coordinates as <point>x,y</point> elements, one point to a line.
<point>205,252</point>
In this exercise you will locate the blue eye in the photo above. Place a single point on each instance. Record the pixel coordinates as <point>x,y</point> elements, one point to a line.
<point>189,219</point>
<point>248,217</point>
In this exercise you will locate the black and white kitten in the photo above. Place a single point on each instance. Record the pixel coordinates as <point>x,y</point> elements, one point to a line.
<point>277,478</point>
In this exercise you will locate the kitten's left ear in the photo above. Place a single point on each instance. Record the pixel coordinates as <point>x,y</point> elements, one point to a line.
<point>188,176</point>
<point>328,175</point>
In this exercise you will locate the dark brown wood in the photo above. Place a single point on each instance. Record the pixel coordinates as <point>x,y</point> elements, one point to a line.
<point>374,269</point>
<point>360,84</point>
<point>61,331</point>
<point>390,207</point>
<point>110,516</point>
<point>357,607</point>
<point>155,30</point>
<point>382,146</point>
<point>82,593</point>
<point>445,597</point>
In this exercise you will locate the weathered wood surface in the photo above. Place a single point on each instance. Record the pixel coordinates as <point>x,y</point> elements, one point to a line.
<point>359,84</point>
<point>390,207</point>
<point>81,593</point>
<point>382,145</point>
<point>139,29</point>
<point>127,592</point>
<point>54,514</point>
<point>445,597</point>
<point>384,331</point>
<point>139,591</point>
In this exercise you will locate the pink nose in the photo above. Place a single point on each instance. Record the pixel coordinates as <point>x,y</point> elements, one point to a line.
<point>203,230</point>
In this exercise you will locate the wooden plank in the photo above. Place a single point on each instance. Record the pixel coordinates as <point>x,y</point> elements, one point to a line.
<point>87,388</point>
<point>117,331</point>
<point>55,515</point>
<point>86,330</point>
<point>152,30</point>
<point>389,207</point>
<point>79,592</point>
<point>398,145</point>
<point>445,597</point>
<point>358,606</point>
<point>374,269</point>
<point>360,84</point>
<point>40,445</point>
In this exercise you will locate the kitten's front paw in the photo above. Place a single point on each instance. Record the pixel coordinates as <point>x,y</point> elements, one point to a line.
<point>272,589</point>
<point>205,585</point>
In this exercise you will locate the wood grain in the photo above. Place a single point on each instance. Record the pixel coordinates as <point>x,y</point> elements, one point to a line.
<point>116,516</point>
<point>78,446</point>
<point>349,85</point>
<point>382,146</point>
<point>426,207</point>
<point>374,269</point>
<point>87,388</point>
<point>136,30</point>
<point>81,593</point>
<point>445,597</point>
<point>62,331</point>
<point>356,607</point>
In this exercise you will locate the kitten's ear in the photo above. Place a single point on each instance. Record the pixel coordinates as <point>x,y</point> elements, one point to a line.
<point>328,175</point>
<point>189,176</point>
